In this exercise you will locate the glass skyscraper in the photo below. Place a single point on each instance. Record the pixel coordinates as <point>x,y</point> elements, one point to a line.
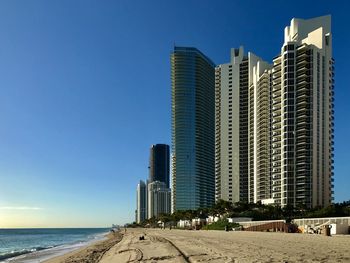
<point>141,202</point>
<point>193,132</point>
<point>159,163</point>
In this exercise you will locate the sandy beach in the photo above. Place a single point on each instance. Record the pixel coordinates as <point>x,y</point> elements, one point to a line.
<point>216,246</point>
<point>89,254</point>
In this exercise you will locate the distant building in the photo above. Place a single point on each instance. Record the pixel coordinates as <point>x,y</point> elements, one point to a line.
<point>193,132</point>
<point>141,202</point>
<point>159,199</point>
<point>159,163</point>
<point>154,196</point>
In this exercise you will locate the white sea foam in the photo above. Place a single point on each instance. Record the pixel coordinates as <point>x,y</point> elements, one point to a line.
<point>42,255</point>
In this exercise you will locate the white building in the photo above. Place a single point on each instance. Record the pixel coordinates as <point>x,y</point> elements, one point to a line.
<point>242,128</point>
<point>274,123</point>
<point>184,223</point>
<point>159,199</point>
<point>302,134</point>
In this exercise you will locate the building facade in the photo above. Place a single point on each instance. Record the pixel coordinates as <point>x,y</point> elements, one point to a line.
<point>159,164</point>
<point>159,199</point>
<point>141,202</point>
<point>193,132</point>
<point>274,123</point>
<point>241,127</point>
<point>303,115</point>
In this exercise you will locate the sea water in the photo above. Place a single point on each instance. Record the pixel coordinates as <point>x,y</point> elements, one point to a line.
<point>36,245</point>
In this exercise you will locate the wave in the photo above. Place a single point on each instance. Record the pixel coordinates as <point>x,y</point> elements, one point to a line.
<point>21,252</point>
<point>44,251</point>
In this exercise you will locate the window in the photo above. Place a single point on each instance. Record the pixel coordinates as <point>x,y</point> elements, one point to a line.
<point>290,47</point>
<point>289,89</point>
<point>289,62</point>
<point>327,40</point>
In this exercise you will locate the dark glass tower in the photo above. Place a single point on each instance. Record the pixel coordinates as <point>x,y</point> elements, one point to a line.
<point>193,133</point>
<point>159,163</point>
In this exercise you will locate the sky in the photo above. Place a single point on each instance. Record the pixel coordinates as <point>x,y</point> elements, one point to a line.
<point>85,90</point>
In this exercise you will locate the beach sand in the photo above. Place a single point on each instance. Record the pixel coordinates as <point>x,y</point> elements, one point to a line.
<point>89,254</point>
<point>219,246</point>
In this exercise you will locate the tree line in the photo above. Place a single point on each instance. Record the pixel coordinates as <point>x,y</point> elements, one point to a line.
<point>256,211</point>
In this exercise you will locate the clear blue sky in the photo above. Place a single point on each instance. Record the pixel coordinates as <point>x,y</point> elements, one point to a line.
<point>85,91</point>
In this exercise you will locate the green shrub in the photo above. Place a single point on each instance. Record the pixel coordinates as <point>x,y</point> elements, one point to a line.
<point>220,225</point>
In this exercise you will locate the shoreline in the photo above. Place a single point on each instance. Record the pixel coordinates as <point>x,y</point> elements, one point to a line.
<point>91,252</point>
<point>33,245</point>
<point>145,244</point>
<point>45,255</point>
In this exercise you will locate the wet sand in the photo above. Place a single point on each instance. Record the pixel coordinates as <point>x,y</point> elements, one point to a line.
<point>90,254</point>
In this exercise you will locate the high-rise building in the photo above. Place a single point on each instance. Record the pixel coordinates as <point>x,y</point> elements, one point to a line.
<point>261,131</point>
<point>274,123</point>
<point>154,195</point>
<point>302,115</point>
<point>141,202</point>
<point>159,164</point>
<point>240,101</point>
<point>193,132</point>
<point>159,199</point>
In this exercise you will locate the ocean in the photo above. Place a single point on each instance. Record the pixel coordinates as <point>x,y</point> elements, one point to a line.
<point>36,245</point>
